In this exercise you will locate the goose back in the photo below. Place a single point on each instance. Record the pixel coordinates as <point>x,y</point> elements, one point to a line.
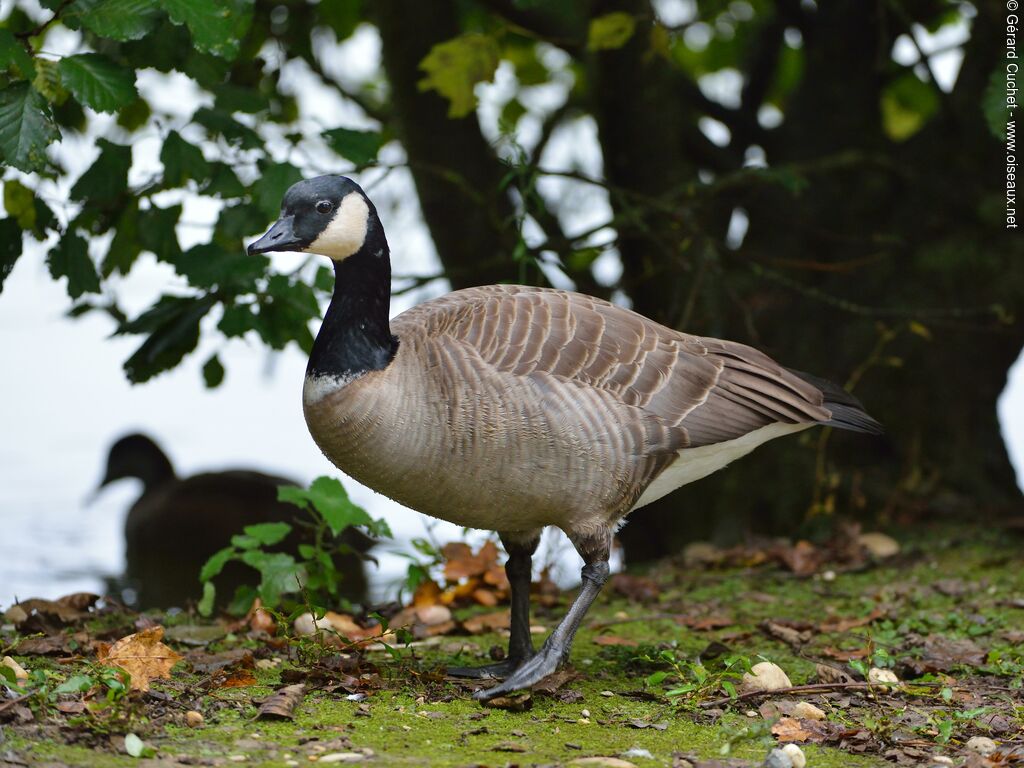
<point>559,407</point>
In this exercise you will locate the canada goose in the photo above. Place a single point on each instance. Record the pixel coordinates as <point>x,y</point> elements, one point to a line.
<point>514,408</point>
<point>178,523</point>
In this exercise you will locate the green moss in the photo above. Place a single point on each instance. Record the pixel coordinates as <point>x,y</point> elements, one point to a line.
<point>419,718</point>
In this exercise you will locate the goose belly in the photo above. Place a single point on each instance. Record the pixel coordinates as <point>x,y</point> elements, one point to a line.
<point>481,462</point>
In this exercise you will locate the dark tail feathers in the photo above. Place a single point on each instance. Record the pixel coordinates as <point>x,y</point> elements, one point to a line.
<point>847,411</point>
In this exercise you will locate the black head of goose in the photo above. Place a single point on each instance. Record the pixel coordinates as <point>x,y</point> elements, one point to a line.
<point>514,408</point>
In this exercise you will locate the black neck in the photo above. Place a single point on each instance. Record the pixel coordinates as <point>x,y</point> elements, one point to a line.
<point>355,337</point>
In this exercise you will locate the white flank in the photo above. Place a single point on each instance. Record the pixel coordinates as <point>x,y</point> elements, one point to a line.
<point>695,463</point>
<point>345,233</point>
<point>316,388</point>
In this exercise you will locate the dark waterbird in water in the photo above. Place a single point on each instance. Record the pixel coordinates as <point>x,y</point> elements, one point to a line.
<point>514,408</point>
<point>178,523</point>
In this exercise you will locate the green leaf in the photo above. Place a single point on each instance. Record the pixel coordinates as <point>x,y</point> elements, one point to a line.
<point>98,82</point>
<point>222,124</point>
<point>173,326</point>
<point>907,104</point>
<point>455,66</point>
<point>183,162</point>
<point>610,31</point>
<point>327,495</point>
<point>205,606</point>
<point>213,372</point>
<point>26,127</point>
<point>15,54</point>
<point>70,258</point>
<point>75,684</point>
<point>19,202</point>
<point>270,187</point>
<point>242,600</point>
<point>343,16</point>
<point>285,312</point>
<point>121,19</point>
<point>237,221</point>
<point>268,534</point>
<point>510,114</point>
<point>215,564</point>
<point>237,320</point>
<point>157,232</point>
<point>216,26</point>
<point>223,182</point>
<point>279,573</point>
<point>47,81</point>
<point>993,104</point>
<point>236,98</point>
<point>10,247</point>
<point>8,676</point>
<point>360,147</point>
<point>107,178</point>
<point>124,248</point>
<point>208,265</point>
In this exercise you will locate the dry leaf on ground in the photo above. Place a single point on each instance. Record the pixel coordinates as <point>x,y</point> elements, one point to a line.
<point>282,703</point>
<point>487,622</point>
<point>142,656</point>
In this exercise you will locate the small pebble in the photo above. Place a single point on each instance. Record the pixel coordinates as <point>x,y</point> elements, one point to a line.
<point>879,545</point>
<point>341,757</point>
<point>778,759</point>
<point>796,755</point>
<point>878,676</point>
<point>983,745</point>
<point>637,752</point>
<point>765,676</point>
<point>807,711</point>
<point>607,693</point>
<point>941,760</point>
<point>751,713</point>
<point>19,671</point>
<point>828,576</point>
<point>585,713</point>
<point>193,719</point>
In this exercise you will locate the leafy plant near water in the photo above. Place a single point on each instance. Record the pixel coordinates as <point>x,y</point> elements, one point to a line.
<point>314,573</point>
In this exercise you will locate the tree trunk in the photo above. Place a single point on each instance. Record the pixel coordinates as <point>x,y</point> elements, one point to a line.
<point>887,226</point>
<point>456,173</point>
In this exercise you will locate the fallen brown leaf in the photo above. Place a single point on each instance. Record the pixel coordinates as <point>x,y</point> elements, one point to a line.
<point>803,558</point>
<point>238,678</point>
<point>143,656</point>
<point>282,703</point>
<point>790,729</point>
<point>487,622</point>
<point>840,624</point>
<point>638,589</point>
<point>461,563</point>
<point>518,703</point>
<point>942,654</point>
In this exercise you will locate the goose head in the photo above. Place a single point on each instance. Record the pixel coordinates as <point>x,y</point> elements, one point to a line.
<point>327,215</point>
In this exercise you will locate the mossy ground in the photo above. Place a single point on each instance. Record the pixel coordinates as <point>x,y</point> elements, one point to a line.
<point>948,584</point>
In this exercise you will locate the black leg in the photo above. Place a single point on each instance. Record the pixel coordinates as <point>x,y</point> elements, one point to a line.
<point>595,551</point>
<point>518,568</point>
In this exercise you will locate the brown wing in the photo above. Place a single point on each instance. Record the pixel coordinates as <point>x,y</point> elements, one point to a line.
<point>697,390</point>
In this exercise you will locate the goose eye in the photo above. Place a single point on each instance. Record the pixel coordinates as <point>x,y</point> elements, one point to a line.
<point>324,206</point>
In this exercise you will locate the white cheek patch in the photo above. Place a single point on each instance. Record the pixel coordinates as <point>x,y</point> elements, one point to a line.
<point>346,232</point>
